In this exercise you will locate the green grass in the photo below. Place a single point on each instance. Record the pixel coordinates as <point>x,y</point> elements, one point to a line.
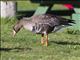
<point>25,46</point>
<point>27,5</point>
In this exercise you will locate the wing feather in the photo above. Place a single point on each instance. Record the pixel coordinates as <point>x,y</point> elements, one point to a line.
<point>46,19</point>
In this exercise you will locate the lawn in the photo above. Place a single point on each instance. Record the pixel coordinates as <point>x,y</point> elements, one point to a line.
<point>26,45</point>
<point>27,5</point>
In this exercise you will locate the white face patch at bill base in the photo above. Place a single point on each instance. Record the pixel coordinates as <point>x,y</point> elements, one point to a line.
<point>14,33</point>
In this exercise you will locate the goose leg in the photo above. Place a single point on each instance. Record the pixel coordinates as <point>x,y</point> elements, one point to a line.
<point>42,39</point>
<point>46,42</point>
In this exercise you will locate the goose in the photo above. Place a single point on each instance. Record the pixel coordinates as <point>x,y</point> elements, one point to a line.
<point>42,24</point>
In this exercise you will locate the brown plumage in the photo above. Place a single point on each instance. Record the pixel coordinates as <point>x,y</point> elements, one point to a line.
<point>42,24</point>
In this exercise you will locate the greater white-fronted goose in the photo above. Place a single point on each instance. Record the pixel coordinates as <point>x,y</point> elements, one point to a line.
<point>42,24</point>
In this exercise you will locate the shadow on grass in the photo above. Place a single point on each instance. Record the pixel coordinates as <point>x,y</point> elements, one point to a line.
<point>15,49</point>
<point>65,43</point>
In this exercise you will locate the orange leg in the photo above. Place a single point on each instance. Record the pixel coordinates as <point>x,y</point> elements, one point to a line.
<point>46,40</point>
<point>42,39</point>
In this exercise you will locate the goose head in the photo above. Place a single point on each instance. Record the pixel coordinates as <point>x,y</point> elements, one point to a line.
<point>16,28</point>
<point>25,23</point>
